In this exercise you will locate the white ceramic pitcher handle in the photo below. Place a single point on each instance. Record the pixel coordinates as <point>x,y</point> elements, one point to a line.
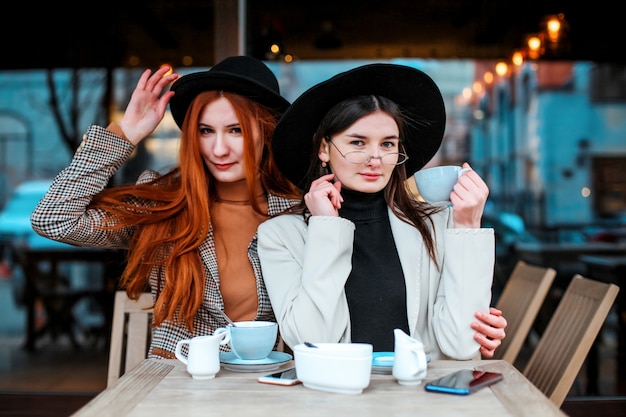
<point>421,360</point>
<point>179,351</point>
<point>225,335</point>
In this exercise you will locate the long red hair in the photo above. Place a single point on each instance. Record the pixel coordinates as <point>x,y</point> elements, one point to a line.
<point>170,216</point>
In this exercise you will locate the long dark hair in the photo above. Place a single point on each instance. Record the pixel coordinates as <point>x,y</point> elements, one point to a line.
<point>397,194</point>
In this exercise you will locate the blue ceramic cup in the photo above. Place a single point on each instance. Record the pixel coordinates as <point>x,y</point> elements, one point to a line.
<point>435,184</point>
<point>252,340</point>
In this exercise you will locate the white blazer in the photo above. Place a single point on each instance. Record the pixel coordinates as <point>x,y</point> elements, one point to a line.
<point>305,268</point>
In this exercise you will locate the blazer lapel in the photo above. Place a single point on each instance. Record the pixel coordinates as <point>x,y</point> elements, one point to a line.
<point>409,243</point>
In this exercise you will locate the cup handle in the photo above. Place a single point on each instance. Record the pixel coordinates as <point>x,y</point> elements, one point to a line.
<point>224,333</point>
<point>179,351</point>
<point>461,172</point>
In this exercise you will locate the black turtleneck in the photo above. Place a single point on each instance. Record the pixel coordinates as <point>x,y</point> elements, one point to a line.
<point>375,289</point>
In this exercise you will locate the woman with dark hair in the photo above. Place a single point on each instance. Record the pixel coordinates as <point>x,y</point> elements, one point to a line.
<point>361,255</point>
<point>190,233</point>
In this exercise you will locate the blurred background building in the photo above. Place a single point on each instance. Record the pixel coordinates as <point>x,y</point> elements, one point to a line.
<point>535,91</point>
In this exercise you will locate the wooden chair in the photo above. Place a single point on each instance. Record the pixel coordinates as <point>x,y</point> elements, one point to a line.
<point>567,339</point>
<point>520,302</point>
<point>130,334</point>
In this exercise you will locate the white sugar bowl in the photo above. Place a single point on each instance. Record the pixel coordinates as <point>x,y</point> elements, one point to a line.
<point>334,367</point>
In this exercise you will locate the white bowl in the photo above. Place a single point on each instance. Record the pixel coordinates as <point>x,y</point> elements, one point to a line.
<point>334,367</point>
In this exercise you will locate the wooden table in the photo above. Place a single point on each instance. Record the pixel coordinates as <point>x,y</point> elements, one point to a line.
<point>44,282</point>
<point>163,387</point>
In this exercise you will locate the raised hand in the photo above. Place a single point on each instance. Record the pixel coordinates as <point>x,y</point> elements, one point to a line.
<point>324,197</point>
<point>147,104</point>
<point>468,199</point>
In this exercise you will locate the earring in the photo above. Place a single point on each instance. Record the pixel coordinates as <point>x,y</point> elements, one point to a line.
<point>323,164</point>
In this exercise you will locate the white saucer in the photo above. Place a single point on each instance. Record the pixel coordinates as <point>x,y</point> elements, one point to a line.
<point>273,361</point>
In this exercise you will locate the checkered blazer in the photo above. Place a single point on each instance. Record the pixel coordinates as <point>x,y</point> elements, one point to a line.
<point>63,215</point>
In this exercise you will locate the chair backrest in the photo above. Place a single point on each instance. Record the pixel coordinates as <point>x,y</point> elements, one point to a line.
<point>567,339</point>
<point>520,302</point>
<point>131,333</point>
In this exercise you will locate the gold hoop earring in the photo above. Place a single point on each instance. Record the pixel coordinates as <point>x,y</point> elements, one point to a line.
<point>323,164</point>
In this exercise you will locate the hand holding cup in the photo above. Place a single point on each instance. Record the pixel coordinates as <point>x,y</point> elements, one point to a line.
<point>435,184</point>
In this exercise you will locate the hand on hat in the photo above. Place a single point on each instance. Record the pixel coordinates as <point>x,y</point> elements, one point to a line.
<point>324,197</point>
<point>147,106</point>
<point>468,200</point>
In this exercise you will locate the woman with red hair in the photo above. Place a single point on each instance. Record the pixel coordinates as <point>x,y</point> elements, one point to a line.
<point>190,234</point>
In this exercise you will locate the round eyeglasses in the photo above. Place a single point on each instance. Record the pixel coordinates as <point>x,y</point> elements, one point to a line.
<point>360,157</point>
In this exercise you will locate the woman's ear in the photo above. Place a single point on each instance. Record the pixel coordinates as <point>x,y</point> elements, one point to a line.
<point>322,154</point>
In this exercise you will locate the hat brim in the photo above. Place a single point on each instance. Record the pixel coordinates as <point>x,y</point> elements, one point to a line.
<point>188,87</point>
<point>415,92</point>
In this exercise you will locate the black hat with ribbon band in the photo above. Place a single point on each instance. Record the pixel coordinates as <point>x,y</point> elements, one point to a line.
<point>242,75</point>
<point>415,92</point>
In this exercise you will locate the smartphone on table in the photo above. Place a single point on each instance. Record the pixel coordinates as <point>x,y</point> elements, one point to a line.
<point>463,382</point>
<point>285,377</point>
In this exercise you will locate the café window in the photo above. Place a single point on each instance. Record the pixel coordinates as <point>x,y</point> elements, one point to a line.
<point>608,83</point>
<point>609,183</point>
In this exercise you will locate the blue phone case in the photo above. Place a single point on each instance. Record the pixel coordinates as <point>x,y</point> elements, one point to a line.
<point>463,382</point>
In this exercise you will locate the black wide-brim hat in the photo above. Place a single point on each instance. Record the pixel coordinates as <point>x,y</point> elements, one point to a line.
<point>415,92</point>
<point>242,75</point>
